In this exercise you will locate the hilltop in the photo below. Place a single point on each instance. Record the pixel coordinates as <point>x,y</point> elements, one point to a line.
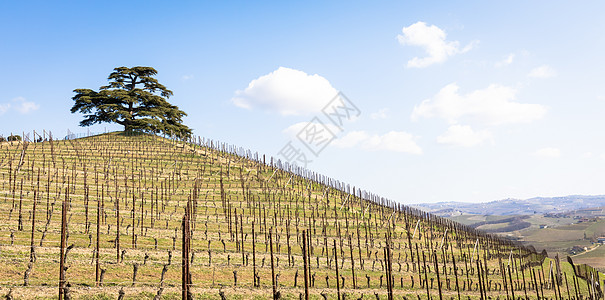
<point>143,216</point>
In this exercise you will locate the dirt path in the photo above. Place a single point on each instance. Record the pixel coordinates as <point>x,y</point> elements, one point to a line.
<point>591,249</point>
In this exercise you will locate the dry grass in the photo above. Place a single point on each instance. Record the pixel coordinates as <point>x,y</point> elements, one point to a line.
<point>138,172</point>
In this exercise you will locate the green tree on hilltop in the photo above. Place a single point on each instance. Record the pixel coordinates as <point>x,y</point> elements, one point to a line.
<point>133,99</point>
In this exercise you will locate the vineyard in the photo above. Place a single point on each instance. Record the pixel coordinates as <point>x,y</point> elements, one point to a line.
<point>143,216</point>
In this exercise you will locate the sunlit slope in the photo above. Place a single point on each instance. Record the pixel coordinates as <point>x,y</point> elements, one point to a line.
<point>131,193</point>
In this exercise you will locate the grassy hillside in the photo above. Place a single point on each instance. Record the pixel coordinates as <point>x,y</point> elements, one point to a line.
<point>250,218</point>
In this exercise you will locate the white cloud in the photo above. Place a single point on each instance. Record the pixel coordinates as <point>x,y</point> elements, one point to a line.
<point>4,107</point>
<point>505,62</point>
<point>493,105</point>
<point>464,136</point>
<point>286,91</point>
<point>433,40</point>
<point>351,139</point>
<point>395,141</point>
<point>23,106</point>
<point>19,104</point>
<point>544,71</point>
<point>548,152</point>
<point>187,77</point>
<point>381,114</point>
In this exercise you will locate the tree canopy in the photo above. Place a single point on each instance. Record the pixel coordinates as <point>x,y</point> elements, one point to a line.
<point>134,99</point>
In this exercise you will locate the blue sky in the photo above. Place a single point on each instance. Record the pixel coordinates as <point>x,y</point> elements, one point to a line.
<point>458,100</point>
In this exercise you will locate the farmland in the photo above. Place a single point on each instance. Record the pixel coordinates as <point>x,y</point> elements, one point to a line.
<point>144,216</point>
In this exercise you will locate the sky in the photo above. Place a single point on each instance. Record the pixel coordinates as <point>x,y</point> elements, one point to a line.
<point>416,101</point>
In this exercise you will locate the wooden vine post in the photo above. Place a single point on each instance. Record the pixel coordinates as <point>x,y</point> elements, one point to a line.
<point>186,275</point>
<point>63,241</point>
<point>306,262</point>
<point>336,265</point>
<point>32,254</point>
<point>274,284</point>
<point>97,267</point>
<point>254,256</point>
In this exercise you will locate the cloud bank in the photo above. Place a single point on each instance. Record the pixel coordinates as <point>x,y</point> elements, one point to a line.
<point>433,40</point>
<point>548,152</point>
<point>544,71</point>
<point>20,105</point>
<point>287,92</point>
<point>464,136</point>
<point>393,141</point>
<point>493,105</point>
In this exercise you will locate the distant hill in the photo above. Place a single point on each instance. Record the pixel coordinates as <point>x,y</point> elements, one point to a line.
<point>537,205</point>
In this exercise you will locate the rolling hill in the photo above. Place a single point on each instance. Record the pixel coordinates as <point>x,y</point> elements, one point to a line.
<point>142,216</point>
<point>537,205</point>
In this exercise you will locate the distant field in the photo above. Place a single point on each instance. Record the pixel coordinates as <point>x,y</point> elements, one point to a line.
<point>593,258</point>
<point>472,219</point>
<point>581,226</point>
<point>562,232</point>
<point>538,220</point>
<point>554,235</point>
<point>596,229</point>
<point>492,226</point>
